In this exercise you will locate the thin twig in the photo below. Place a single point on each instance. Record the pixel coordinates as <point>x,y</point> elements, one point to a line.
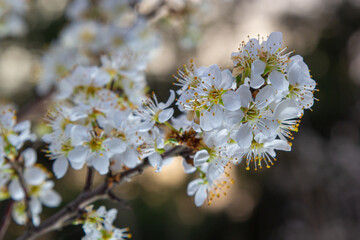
<point>118,200</point>
<point>6,219</point>
<point>15,166</point>
<point>89,179</point>
<point>57,220</point>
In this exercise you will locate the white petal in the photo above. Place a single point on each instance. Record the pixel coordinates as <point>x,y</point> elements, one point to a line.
<point>205,122</point>
<point>231,100</point>
<point>51,198</point>
<point>215,75</point>
<point>278,80</point>
<point>294,74</point>
<point>265,96</point>
<point>30,156</point>
<point>258,67</point>
<point>79,134</point>
<point>256,81</point>
<point>233,117</point>
<point>25,125</point>
<point>227,79</point>
<point>114,146</point>
<point>245,96</point>
<point>101,163</point>
<point>213,172</point>
<point>78,154</point>
<point>34,176</point>
<point>155,159</point>
<point>15,190</point>
<point>35,206</point>
<point>244,136</point>
<point>130,158</point>
<point>60,167</point>
<point>101,77</point>
<point>286,110</point>
<point>77,165</point>
<point>188,168</point>
<point>201,157</point>
<point>200,196</point>
<point>274,42</point>
<point>216,115</point>
<point>169,101</point>
<point>15,140</point>
<point>165,115</point>
<point>193,186</point>
<point>279,145</point>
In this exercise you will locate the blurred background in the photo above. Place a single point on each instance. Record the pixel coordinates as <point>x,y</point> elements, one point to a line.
<point>312,192</point>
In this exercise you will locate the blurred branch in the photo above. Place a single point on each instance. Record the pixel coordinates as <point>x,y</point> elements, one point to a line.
<point>6,219</point>
<point>15,166</point>
<point>89,179</point>
<point>57,220</point>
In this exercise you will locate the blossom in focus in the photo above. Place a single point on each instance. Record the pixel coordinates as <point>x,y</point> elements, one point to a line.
<point>98,224</point>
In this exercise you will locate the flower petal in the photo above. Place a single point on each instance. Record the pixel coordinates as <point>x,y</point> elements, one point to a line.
<point>265,96</point>
<point>257,67</point>
<point>60,167</point>
<point>244,136</point>
<point>201,157</point>
<point>34,176</point>
<point>278,80</point>
<point>286,110</point>
<point>114,146</point>
<point>101,163</point>
<point>231,100</point>
<point>51,198</point>
<point>274,42</point>
<point>15,190</point>
<point>78,154</point>
<point>200,196</point>
<point>30,156</point>
<point>193,186</point>
<point>165,115</point>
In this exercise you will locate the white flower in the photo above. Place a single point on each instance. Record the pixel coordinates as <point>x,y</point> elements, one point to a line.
<point>93,148</point>
<point>254,114</point>
<point>260,150</point>
<point>198,187</point>
<point>39,190</point>
<point>153,147</point>
<point>204,95</point>
<point>85,80</point>
<point>217,153</point>
<point>301,86</point>
<point>286,114</point>
<point>99,225</point>
<point>203,189</point>
<point>127,69</point>
<point>153,111</point>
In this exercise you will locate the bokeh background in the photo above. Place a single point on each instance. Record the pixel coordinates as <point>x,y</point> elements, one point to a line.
<point>312,192</point>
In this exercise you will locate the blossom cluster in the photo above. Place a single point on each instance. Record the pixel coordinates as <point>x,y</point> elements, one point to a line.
<point>12,17</point>
<point>98,224</point>
<point>22,179</point>
<point>246,113</point>
<point>97,28</point>
<point>95,123</point>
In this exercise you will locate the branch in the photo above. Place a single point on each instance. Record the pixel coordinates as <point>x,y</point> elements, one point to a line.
<point>57,220</point>
<point>89,178</point>
<point>15,166</point>
<point>6,219</point>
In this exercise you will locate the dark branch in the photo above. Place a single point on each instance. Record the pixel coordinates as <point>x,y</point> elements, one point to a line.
<point>6,219</point>
<point>15,165</point>
<point>57,220</point>
<point>89,179</point>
